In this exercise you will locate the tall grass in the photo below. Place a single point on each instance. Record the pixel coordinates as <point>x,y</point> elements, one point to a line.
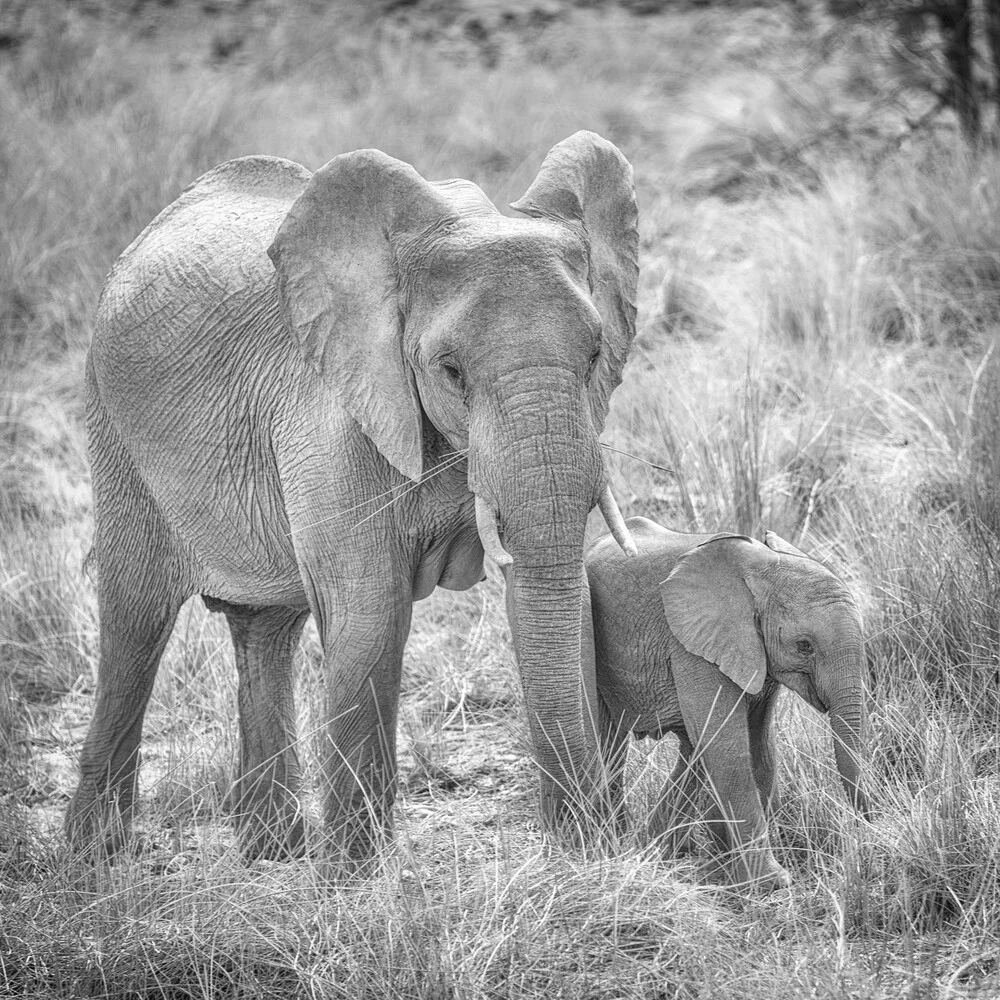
<point>813,357</point>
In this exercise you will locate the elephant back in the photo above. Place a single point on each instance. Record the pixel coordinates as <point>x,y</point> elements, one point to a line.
<point>219,228</point>
<point>196,272</point>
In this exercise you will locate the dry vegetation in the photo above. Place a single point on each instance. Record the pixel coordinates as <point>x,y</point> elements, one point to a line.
<point>817,354</point>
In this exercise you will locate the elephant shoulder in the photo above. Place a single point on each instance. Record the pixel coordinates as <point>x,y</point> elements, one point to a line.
<point>616,579</point>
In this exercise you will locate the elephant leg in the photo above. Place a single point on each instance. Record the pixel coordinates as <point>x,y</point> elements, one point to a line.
<point>614,753</point>
<point>715,716</point>
<point>138,601</point>
<point>763,755</point>
<point>363,646</point>
<point>264,797</point>
<point>677,810</point>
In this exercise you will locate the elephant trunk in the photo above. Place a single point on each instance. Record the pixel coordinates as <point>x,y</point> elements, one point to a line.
<point>545,609</point>
<point>486,525</point>
<point>845,700</point>
<point>535,486</point>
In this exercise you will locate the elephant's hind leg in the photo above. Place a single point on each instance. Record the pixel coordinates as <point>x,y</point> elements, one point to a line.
<point>139,594</point>
<point>614,754</point>
<point>264,798</point>
<point>677,811</point>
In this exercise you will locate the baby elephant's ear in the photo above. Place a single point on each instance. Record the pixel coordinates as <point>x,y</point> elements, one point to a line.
<point>710,609</point>
<point>776,543</point>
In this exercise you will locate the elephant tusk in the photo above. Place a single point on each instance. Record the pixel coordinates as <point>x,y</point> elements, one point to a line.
<point>486,525</point>
<point>612,514</point>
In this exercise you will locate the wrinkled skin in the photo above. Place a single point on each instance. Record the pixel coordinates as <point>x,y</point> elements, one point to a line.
<point>301,392</point>
<point>693,637</point>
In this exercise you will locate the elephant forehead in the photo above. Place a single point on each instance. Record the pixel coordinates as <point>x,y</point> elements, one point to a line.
<point>484,287</point>
<point>815,587</point>
<point>491,248</point>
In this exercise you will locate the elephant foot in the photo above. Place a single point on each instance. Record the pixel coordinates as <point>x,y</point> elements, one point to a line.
<point>756,868</point>
<point>269,827</point>
<point>338,869</point>
<point>95,826</point>
<point>264,842</point>
<point>357,838</point>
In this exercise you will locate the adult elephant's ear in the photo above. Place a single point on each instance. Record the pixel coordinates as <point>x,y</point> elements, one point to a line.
<point>335,256</point>
<point>586,183</point>
<point>710,608</point>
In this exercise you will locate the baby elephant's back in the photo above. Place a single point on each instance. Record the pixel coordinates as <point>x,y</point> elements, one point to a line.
<point>629,622</point>
<point>659,549</point>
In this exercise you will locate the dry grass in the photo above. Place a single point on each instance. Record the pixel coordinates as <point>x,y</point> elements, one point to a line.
<point>816,355</point>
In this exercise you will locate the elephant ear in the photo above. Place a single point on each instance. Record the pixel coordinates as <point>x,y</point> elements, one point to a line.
<point>586,184</point>
<point>777,544</point>
<point>711,611</point>
<point>335,256</point>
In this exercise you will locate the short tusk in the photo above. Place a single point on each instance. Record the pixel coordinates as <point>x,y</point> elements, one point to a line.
<point>486,525</point>
<point>609,508</point>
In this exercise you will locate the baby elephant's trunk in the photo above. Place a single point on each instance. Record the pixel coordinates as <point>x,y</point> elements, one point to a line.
<point>845,699</point>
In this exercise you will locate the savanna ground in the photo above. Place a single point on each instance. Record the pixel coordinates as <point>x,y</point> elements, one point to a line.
<point>819,310</point>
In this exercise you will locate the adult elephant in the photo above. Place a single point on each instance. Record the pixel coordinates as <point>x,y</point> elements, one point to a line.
<point>328,393</point>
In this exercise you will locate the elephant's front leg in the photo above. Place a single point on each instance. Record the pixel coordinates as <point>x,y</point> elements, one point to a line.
<point>363,647</point>
<point>715,716</point>
<point>763,755</point>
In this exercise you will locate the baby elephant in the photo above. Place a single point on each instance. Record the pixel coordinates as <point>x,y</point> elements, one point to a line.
<point>693,636</point>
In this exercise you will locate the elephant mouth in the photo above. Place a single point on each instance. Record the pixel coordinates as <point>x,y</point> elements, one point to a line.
<point>815,700</point>
<point>802,684</point>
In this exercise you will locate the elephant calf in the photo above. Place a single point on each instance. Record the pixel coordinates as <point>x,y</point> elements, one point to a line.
<point>693,637</point>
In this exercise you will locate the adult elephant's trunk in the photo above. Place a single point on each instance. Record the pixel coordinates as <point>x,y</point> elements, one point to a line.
<point>535,483</point>
<point>843,693</point>
<point>545,609</point>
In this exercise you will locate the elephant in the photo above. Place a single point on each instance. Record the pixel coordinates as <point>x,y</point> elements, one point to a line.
<point>694,636</point>
<point>329,393</point>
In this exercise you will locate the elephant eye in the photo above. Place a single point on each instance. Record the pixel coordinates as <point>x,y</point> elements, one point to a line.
<point>454,375</point>
<point>592,364</point>
<point>804,647</point>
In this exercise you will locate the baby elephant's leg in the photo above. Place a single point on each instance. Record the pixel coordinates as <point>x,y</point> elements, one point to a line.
<point>737,820</point>
<point>676,813</point>
<point>737,823</point>
<point>614,753</point>
<point>763,755</point>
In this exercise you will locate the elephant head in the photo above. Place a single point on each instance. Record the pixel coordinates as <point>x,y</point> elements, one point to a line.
<point>431,315</point>
<point>757,610</point>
